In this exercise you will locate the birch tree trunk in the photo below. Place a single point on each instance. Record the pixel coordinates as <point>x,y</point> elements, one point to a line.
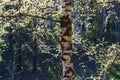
<point>66,41</point>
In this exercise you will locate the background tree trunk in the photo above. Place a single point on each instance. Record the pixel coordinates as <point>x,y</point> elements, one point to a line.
<point>87,20</point>
<point>103,25</point>
<point>34,48</point>
<point>19,57</point>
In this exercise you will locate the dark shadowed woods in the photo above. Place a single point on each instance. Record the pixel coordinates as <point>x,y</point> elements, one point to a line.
<point>59,39</point>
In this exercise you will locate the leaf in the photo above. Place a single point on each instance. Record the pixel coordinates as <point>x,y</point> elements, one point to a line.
<point>0,58</point>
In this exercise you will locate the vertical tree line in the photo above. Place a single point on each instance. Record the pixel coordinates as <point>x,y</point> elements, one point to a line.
<point>66,41</point>
<point>94,22</point>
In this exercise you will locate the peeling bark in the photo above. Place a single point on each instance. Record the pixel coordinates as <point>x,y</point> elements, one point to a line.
<point>66,41</point>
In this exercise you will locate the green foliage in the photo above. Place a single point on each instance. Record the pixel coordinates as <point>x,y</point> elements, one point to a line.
<point>26,28</point>
<point>0,58</point>
<point>104,54</point>
<point>114,72</point>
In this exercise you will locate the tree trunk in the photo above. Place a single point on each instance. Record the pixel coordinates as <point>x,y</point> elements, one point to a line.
<point>102,37</point>
<point>34,56</point>
<point>66,41</point>
<point>19,57</point>
<point>117,10</point>
<point>34,48</point>
<point>33,52</point>
<point>87,20</point>
<point>97,22</point>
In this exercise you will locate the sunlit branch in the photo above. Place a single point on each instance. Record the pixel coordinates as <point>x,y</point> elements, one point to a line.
<point>27,15</point>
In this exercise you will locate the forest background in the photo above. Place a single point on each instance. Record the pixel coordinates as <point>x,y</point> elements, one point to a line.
<point>29,45</point>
